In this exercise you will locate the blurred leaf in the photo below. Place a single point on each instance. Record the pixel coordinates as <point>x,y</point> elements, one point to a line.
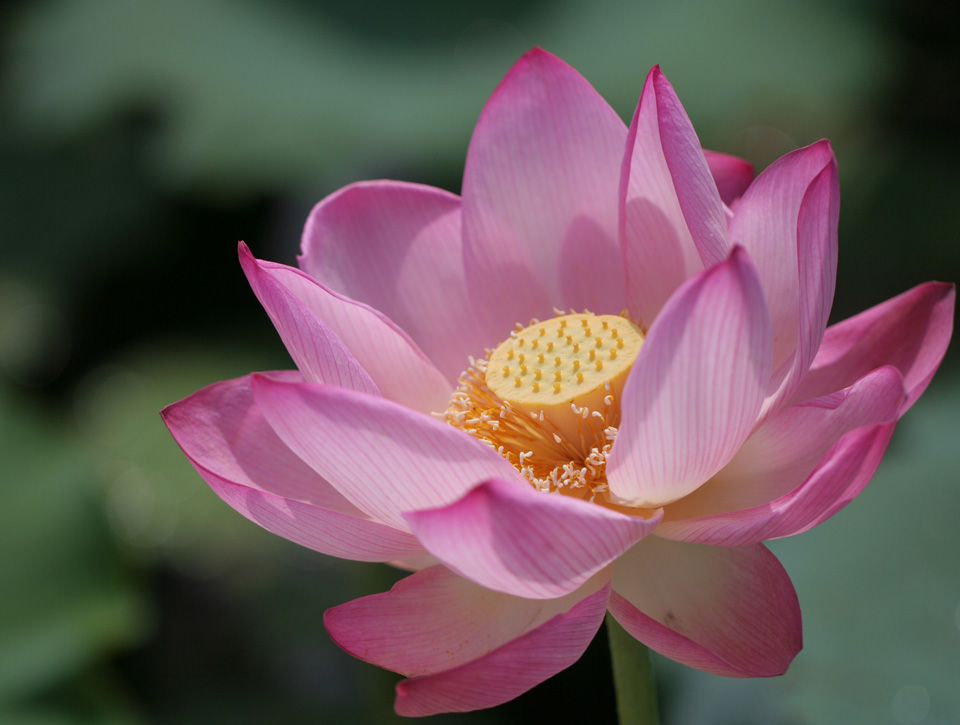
<point>72,602</point>
<point>264,95</point>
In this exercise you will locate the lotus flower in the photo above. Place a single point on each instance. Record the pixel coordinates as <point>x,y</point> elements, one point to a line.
<point>597,380</point>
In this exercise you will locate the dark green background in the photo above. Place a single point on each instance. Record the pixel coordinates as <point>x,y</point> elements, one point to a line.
<point>139,140</point>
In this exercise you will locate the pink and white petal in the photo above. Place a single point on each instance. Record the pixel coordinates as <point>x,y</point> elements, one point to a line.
<point>325,530</point>
<point>383,457</point>
<point>222,431</point>
<point>786,449</point>
<point>511,670</point>
<point>695,390</point>
<point>523,542</point>
<point>396,247</point>
<point>400,370</point>
<point>817,265</point>
<point>910,331</point>
<point>731,174</point>
<point>435,620</point>
<point>838,479</point>
<point>728,611</point>
<point>672,221</point>
<point>793,250</point>
<point>540,196</point>
<point>233,448</point>
<point>315,348</point>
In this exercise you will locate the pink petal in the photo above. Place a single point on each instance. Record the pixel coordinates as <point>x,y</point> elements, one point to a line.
<point>731,174</point>
<point>672,219</point>
<point>396,247</point>
<point>786,449</point>
<point>315,348</point>
<point>694,392</point>
<point>229,442</point>
<point>838,479</point>
<point>540,196</point>
<point>509,671</point>
<point>528,543</point>
<point>399,369</point>
<point>383,457</point>
<point>728,611</point>
<point>435,620</point>
<point>466,647</point>
<point>910,332</point>
<point>787,221</point>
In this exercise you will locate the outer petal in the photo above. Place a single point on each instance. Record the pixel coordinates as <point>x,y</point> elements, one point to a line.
<point>786,449</point>
<point>512,669</point>
<point>229,442</point>
<point>315,348</point>
<point>399,369</point>
<point>466,647</point>
<point>384,458</point>
<point>910,331</point>
<point>435,620</point>
<point>731,174</point>
<point>540,196</point>
<point>696,387</point>
<point>523,542</point>
<point>672,221</point>
<point>787,220</point>
<point>396,247</point>
<point>837,480</point>
<point>729,611</point>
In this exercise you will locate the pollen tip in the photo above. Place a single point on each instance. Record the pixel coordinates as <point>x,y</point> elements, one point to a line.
<point>536,387</point>
<point>556,387</point>
<point>537,374</point>
<point>579,377</point>
<point>599,341</point>
<point>599,364</point>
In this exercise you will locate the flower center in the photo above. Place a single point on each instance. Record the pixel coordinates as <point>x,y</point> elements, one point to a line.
<point>547,398</point>
<point>563,363</point>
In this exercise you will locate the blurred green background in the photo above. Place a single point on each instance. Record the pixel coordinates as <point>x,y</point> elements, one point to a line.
<point>140,140</point>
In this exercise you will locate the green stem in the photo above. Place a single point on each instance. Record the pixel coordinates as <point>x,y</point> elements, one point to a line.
<point>632,677</point>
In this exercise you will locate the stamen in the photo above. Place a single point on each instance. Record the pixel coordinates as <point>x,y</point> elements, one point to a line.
<point>558,434</point>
